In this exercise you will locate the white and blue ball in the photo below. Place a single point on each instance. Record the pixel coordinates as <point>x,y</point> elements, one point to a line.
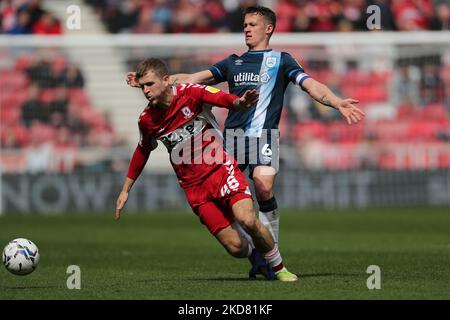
<point>20,256</point>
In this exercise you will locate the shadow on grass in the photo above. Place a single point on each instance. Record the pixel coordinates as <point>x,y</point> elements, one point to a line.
<point>241,279</point>
<point>27,287</point>
<point>329,274</point>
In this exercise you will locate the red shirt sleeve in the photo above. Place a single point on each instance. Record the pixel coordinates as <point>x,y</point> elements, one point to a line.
<point>215,97</point>
<point>140,156</point>
<point>138,161</point>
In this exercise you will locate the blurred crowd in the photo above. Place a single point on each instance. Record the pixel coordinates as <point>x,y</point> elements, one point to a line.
<point>27,17</point>
<point>46,112</point>
<point>209,16</point>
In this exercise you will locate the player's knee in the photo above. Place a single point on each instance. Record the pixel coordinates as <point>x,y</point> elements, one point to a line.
<point>235,248</point>
<point>263,188</point>
<point>249,222</point>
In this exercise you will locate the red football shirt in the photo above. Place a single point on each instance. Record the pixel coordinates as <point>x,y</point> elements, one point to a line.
<point>188,130</point>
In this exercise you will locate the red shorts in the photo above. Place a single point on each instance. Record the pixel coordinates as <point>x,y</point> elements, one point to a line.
<point>212,199</point>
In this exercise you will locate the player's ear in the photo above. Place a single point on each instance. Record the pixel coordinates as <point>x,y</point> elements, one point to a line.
<point>269,29</point>
<point>165,79</point>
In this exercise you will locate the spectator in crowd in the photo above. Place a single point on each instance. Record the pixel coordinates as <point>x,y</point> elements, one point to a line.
<point>32,109</point>
<point>121,15</point>
<point>432,87</point>
<point>78,128</point>
<point>22,24</point>
<point>72,77</point>
<point>47,25</point>
<point>236,18</point>
<point>387,19</point>
<point>202,24</point>
<point>162,14</point>
<point>58,108</point>
<point>286,11</point>
<point>411,15</point>
<point>34,7</point>
<point>441,17</point>
<point>217,13</point>
<point>185,14</point>
<point>41,73</point>
<point>404,86</point>
<point>302,21</point>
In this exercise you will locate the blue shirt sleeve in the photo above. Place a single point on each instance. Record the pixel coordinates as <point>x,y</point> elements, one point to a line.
<point>220,70</point>
<point>293,70</point>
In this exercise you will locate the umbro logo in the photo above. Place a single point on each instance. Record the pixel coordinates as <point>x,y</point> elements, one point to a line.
<point>238,62</point>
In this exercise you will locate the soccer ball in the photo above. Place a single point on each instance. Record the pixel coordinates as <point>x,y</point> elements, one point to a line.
<point>20,256</point>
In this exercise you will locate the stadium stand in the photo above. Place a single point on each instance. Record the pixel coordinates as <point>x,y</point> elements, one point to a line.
<point>44,105</point>
<point>44,101</point>
<point>166,16</point>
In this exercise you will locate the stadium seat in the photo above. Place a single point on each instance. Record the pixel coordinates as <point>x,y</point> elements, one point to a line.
<point>422,131</point>
<point>315,129</point>
<point>79,96</point>
<point>23,62</point>
<point>47,95</point>
<point>436,112</point>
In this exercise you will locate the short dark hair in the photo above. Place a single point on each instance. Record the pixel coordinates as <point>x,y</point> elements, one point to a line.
<point>267,13</point>
<point>155,65</point>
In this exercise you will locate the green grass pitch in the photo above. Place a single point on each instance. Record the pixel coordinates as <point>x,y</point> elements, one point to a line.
<point>170,255</point>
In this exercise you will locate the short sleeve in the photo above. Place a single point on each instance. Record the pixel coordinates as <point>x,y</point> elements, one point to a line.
<point>293,70</point>
<point>220,70</point>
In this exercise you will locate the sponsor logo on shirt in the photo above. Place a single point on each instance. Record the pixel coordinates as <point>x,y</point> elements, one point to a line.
<point>186,131</point>
<point>246,78</point>
<point>212,89</point>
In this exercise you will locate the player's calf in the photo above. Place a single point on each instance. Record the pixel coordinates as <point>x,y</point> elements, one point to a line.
<point>235,245</point>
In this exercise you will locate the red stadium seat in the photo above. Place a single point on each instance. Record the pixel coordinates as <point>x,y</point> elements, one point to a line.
<point>79,96</point>
<point>59,63</point>
<point>435,112</point>
<point>47,95</point>
<point>422,131</point>
<point>9,116</point>
<point>23,62</point>
<point>315,129</point>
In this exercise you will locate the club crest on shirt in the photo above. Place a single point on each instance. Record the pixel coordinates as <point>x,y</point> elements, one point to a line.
<point>187,112</point>
<point>270,62</point>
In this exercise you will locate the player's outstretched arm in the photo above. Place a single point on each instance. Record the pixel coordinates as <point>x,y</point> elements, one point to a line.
<point>324,95</point>
<point>202,77</point>
<point>123,196</point>
<point>137,164</point>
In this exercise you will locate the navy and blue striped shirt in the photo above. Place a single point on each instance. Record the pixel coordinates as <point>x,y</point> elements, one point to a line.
<point>269,72</point>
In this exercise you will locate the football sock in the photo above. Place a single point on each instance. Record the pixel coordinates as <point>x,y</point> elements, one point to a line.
<point>273,258</point>
<point>270,217</point>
